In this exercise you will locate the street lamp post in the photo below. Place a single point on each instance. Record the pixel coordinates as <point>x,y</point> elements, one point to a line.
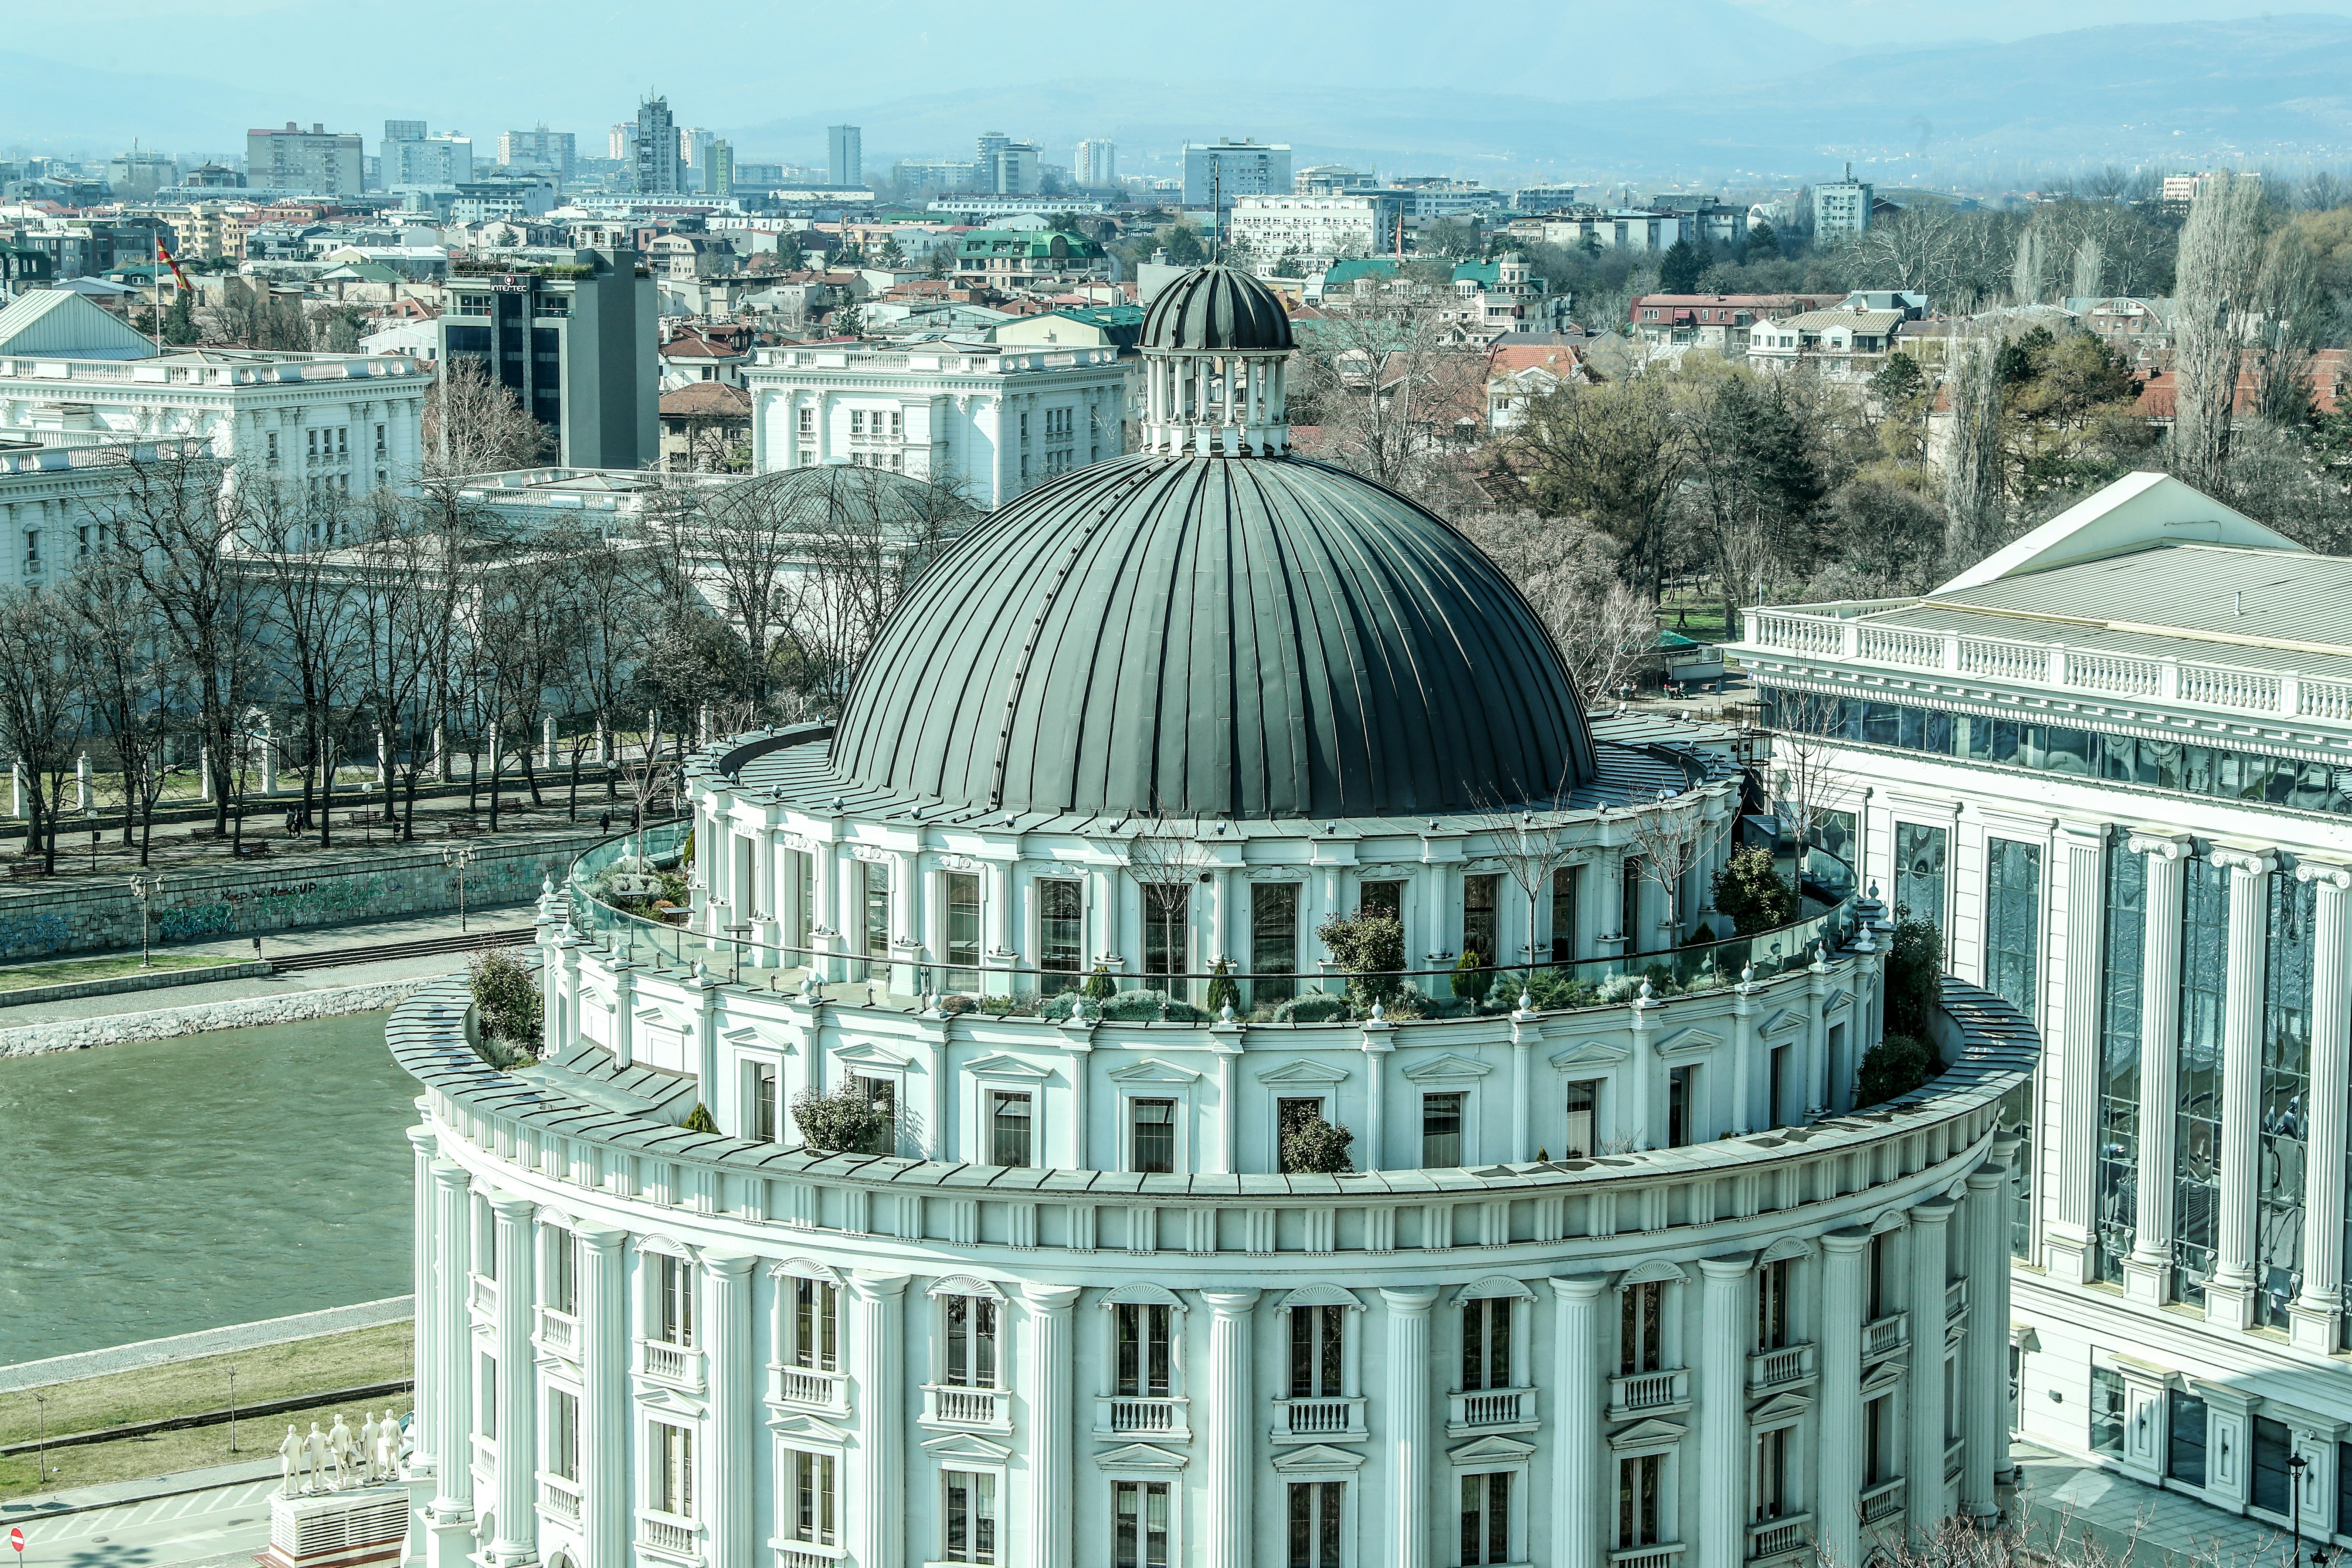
<point>144,886</point>
<point>2295,1466</point>
<point>456,856</point>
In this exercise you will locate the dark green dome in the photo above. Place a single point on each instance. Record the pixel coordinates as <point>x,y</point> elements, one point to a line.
<point>1216,307</point>
<point>1243,637</point>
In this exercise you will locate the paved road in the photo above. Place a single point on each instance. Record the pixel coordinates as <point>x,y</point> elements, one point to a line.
<point>224,1525</point>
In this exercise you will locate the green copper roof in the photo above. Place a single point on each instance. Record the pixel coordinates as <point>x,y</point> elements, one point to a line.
<point>1243,638</point>
<point>1217,307</point>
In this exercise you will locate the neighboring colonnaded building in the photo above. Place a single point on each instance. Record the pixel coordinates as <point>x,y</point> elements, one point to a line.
<point>2114,764</point>
<point>1619,1276</point>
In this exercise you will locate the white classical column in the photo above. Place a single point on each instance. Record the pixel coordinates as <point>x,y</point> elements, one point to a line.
<point>1984,1416</point>
<point>1839,1492</point>
<point>1232,1411</point>
<point>2316,1308</point>
<point>1576,1422</point>
<point>2004,1158</point>
<point>876,1348</point>
<point>605,1484</point>
<point>1525,1032</point>
<point>427,1145</point>
<point>1380,1042</point>
<point>1409,1424</point>
<point>1818,1089</point>
<point>734,1383</point>
<point>1726,1315</point>
<point>2148,1272</point>
<point>518,1427</point>
<point>1931,1276</point>
<point>2066,1225</point>
<point>453,1383</point>
<point>1744,1117</point>
<point>1051,1433</point>
<point>2230,1294</point>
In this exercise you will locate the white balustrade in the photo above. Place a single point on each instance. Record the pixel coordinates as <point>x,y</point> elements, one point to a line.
<point>1884,1337</point>
<point>2111,673</point>
<point>1483,1409</point>
<point>1648,1392</point>
<point>1785,1364</point>
<point>1882,1500</point>
<point>807,1386</point>
<point>807,1554</point>
<point>559,1496</point>
<point>558,1332</point>
<point>1662,1556</point>
<point>2219,686</point>
<point>678,1364</point>
<point>1770,1538</point>
<point>1893,645</point>
<point>1800,633</point>
<point>1318,1418</point>
<point>1123,1415</point>
<point>952,1405</point>
<point>483,1295</point>
<point>671,1537</point>
<point>1956,1299</point>
<point>2005,660</point>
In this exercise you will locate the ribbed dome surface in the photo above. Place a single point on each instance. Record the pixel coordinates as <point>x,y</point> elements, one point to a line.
<point>1214,307</point>
<point>1244,638</point>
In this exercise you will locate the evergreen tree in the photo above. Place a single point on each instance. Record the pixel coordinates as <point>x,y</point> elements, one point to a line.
<point>180,321</point>
<point>1678,270</point>
<point>1763,242</point>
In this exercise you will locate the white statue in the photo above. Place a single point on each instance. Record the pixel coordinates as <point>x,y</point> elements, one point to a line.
<point>290,1458</point>
<point>315,1451</point>
<point>368,1472</point>
<point>341,1449</point>
<point>387,1448</point>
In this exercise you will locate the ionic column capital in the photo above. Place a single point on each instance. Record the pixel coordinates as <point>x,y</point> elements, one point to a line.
<point>2245,862</point>
<point>2330,878</point>
<point>2165,847</point>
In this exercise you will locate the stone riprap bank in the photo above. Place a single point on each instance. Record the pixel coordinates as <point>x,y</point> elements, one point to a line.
<point>274,895</point>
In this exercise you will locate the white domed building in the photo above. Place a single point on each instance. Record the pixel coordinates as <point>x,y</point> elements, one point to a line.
<point>925,1197</point>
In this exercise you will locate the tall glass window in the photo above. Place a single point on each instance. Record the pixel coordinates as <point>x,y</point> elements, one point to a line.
<point>1772,1305</point>
<point>1273,940</point>
<point>2184,1438</point>
<point>1480,898</point>
<point>804,873</point>
<point>1167,922</point>
<point>1008,1128</point>
<point>1143,1367</point>
<point>563,1434</point>
<point>1061,905</point>
<point>673,1470</point>
<point>1152,1136</point>
<point>816,1325</point>
<point>1317,1351</point>
<point>1583,1119</point>
<point>962,897</point>
<point>2283,1115</point>
<point>1563,914</point>
<point>814,1518</point>
<point>2107,1406</point>
<point>876,903</point>
<point>1141,1512</point>
<point>1629,905</point>
<point>1641,1328</point>
<point>1315,1523</point>
<point>1381,899</point>
<point>1638,1521</point>
<point>2012,921</point>
<point>1441,1130</point>
<point>1919,859</point>
<point>1486,1519</point>
<point>676,1304</point>
<point>969,1516</point>
<point>2197,1161</point>
<point>1487,1343</point>
<point>971,1341</point>
<point>2119,1017</point>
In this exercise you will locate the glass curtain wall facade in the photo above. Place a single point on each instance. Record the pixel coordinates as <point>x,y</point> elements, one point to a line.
<point>2197,1148</point>
<point>2126,937</point>
<point>2012,937</point>
<point>2282,1117</point>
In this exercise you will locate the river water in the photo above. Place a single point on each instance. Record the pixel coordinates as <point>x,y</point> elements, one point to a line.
<point>169,1185</point>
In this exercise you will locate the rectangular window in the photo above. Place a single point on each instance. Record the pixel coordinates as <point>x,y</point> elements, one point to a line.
<point>1563,914</point>
<point>882,1092</point>
<point>2108,1406</point>
<point>2285,1090</point>
<point>1273,940</point>
<point>2184,1446</point>
<point>672,1479</point>
<point>971,1341</point>
<point>2012,922</point>
<point>1167,909</point>
<point>1061,905</point>
<point>562,1272</point>
<point>1878,1441</point>
<point>1919,872</point>
<point>1629,905</point>
<point>1487,1343</point>
<point>877,888</point>
<point>813,1519</point>
<point>808,421</point>
<point>487,1407</point>
<point>804,866</point>
<point>1583,1120</point>
<point>1315,1523</point>
<point>1772,1305</point>
<point>1151,1135</point>
<point>562,1434</point>
<point>1381,899</point>
<point>1288,1113</point>
<point>273,448</point>
<point>1641,1328</point>
<point>1877,1279</point>
<point>1144,1350</point>
<point>763,1103</point>
<point>1139,1514</point>
<point>1776,1084</point>
<point>2197,1158</point>
<point>676,1278</point>
<point>2119,1023</point>
<point>380,450</point>
<point>816,1325</point>
<point>1772,1473</point>
<point>1480,895</point>
<point>1317,1351</point>
<point>1638,1521</point>
<point>1008,1128</point>
<point>1441,1130</point>
<point>970,1517</point>
<point>1682,1083</point>
<point>1486,1518</point>
<point>857,422</point>
<point>2273,1483</point>
<point>962,897</point>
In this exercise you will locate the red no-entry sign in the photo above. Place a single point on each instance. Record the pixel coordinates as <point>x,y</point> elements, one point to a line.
<point>16,1540</point>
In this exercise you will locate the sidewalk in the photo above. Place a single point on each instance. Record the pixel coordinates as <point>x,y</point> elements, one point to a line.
<point>2121,1516</point>
<point>203,1343</point>
<point>115,1494</point>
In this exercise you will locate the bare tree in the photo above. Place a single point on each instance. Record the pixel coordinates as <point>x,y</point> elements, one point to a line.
<point>473,423</point>
<point>1974,498</point>
<point>1806,788</point>
<point>855,542</point>
<point>410,599</point>
<point>1390,391</point>
<point>128,678</point>
<point>2288,301</point>
<point>309,594</point>
<point>1166,861</point>
<point>1568,572</point>
<point>1533,846</point>
<point>2219,261</point>
<point>41,707</point>
<point>1672,837</point>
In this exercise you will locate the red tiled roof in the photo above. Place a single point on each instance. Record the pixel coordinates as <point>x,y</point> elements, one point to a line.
<point>707,397</point>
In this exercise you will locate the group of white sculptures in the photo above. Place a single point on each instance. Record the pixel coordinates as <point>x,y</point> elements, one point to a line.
<point>331,1460</point>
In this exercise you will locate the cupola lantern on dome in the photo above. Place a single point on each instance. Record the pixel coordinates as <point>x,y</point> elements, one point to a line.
<point>1214,342</point>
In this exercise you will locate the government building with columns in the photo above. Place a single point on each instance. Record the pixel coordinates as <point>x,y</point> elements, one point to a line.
<point>2113,765</point>
<point>945,1187</point>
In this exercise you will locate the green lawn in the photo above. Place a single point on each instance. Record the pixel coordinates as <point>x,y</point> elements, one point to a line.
<point>70,970</point>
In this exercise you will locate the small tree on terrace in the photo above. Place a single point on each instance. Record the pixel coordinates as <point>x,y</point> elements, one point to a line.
<point>1805,788</point>
<point>1672,838</point>
<point>1165,860</point>
<point>1532,847</point>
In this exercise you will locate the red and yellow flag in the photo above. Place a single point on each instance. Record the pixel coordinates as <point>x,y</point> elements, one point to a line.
<point>163,254</point>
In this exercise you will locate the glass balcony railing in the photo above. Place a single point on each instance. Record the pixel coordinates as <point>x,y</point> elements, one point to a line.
<point>618,886</point>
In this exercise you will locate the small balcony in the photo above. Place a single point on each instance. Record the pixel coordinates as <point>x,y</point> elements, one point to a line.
<point>806,1554</point>
<point>1883,1500</point>
<point>1954,1455</point>
<point>670,1537</point>
<point>1780,1368</point>
<point>558,1498</point>
<point>1160,1420</point>
<point>1319,1421</point>
<point>808,1388</point>
<point>1885,1337</point>
<point>1648,1394</point>
<point>482,1296</point>
<point>1664,1555</point>
<point>956,1408</point>
<point>1480,1410</point>
<point>559,1333</point>
<point>1782,1537</point>
<point>679,1366</point>
<point>1955,1299</point>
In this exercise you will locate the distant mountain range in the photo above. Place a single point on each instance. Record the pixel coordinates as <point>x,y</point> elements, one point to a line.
<point>1688,89</point>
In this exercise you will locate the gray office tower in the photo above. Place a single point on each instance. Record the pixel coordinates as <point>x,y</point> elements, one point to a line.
<point>657,150</point>
<point>845,147</point>
<point>573,337</point>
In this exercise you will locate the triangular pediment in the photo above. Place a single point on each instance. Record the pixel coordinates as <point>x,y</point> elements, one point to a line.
<point>1785,1021</point>
<point>1140,1456</point>
<point>653,1014</point>
<point>873,1056</point>
<point>1303,1071</point>
<point>1685,1041</point>
<point>798,1424</point>
<point>1649,1435</point>
<point>1448,1066</point>
<point>1591,1054</point>
<point>1152,1069</point>
<point>1490,1450</point>
<point>965,1445</point>
<point>748,1038</point>
<point>1317,1457</point>
<point>999,1064</point>
<point>1835,1000</point>
<point>1781,1407</point>
<point>1884,1376</point>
